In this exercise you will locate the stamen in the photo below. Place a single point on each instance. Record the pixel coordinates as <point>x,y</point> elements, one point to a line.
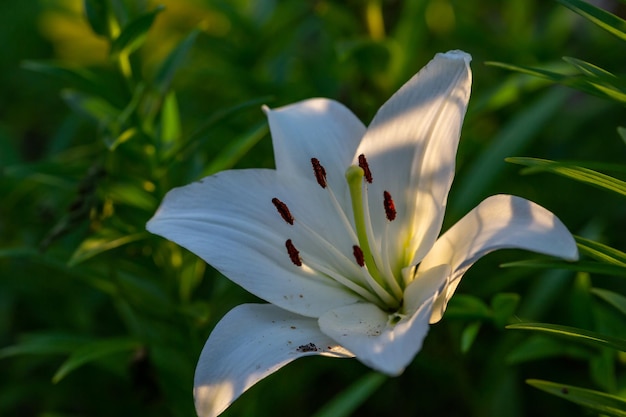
<point>283,210</point>
<point>358,255</point>
<point>320,172</point>
<point>294,254</point>
<point>366,168</point>
<point>390,208</point>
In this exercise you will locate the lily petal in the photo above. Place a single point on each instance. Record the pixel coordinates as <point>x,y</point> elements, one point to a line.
<point>316,128</point>
<point>499,222</point>
<point>228,219</point>
<point>411,148</point>
<point>387,343</point>
<point>249,343</point>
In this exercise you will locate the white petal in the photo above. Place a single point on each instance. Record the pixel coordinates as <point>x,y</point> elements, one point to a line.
<point>229,220</point>
<point>372,336</point>
<point>316,128</point>
<point>499,222</point>
<point>249,343</point>
<point>411,148</point>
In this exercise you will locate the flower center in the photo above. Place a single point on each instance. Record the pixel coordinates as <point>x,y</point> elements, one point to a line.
<point>364,271</point>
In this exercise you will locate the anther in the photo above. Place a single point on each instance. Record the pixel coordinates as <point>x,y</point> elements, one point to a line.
<point>283,210</point>
<point>366,168</point>
<point>358,255</point>
<point>294,255</point>
<point>390,208</point>
<point>320,172</point>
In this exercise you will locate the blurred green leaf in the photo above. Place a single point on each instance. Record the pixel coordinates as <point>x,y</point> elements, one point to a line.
<point>601,251</point>
<point>131,194</point>
<point>97,13</point>
<point>134,33</point>
<point>518,133</point>
<point>602,83</point>
<point>93,351</point>
<point>467,306</point>
<point>600,17</point>
<point>98,109</point>
<point>468,336</point>
<point>574,172</point>
<point>44,343</point>
<point>196,139</point>
<point>504,306</point>
<point>539,347</point>
<point>103,241</point>
<point>236,149</point>
<point>346,402</point>
<point>170,120</point>
<point>616,300</point>
<point>173,62</point>
<point>606,404</point>
<point>573,333</point>
<point>581,266</point>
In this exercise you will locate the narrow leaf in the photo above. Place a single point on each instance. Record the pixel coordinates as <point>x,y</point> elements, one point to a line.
<point>173,62</point>
<point>345,403</point>
<point>134,34</point>
<point>616,300</point>
<point>580,266</point>
<point>574,172</point>
<point>97,13</point>
<point>43,344</point>
<point>102,242</point>
<point>600,251</point>
<point>606,404</point>
<point>573,333</point>
<point>600,17</point>
<point>93,351</point>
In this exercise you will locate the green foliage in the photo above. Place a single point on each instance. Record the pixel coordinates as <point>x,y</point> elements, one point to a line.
<point>108,104</point>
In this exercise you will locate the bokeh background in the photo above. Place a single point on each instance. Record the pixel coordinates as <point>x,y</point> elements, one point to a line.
<point>100,318</point>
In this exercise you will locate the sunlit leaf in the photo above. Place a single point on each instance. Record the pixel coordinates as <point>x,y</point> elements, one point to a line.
<point>346,402</point>
<point>600,17</point>
<point>601,402</point>
<point>134,33</point>
<point>93,351</point>
<point>131,194</point>
<point>580,266</point>
<point>103,241</point>
<point>574,172</point>
<point>616,300</point>
<point>600,251</point>
<point>170,120</point>
<point>579,335</point>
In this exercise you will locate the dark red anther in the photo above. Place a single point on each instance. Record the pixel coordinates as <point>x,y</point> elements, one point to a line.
<point>283,210</point>
<point>366,168</point>
<point>294,255</point>
<point>320,172</point>
<point>358,255</point>
<point>390,208</point>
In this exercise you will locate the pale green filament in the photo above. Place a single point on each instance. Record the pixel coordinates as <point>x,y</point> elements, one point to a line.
<point>354,176</point>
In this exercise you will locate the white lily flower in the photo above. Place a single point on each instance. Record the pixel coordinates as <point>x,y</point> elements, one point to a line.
<point>342,238</point>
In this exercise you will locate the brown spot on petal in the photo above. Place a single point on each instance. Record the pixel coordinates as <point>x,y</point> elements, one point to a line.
<point>366,168</point>
<point>309,347</point>
<point>294,255</point>
<point>320,172</point>
<point>390,207</point>
<point>283,210</point>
